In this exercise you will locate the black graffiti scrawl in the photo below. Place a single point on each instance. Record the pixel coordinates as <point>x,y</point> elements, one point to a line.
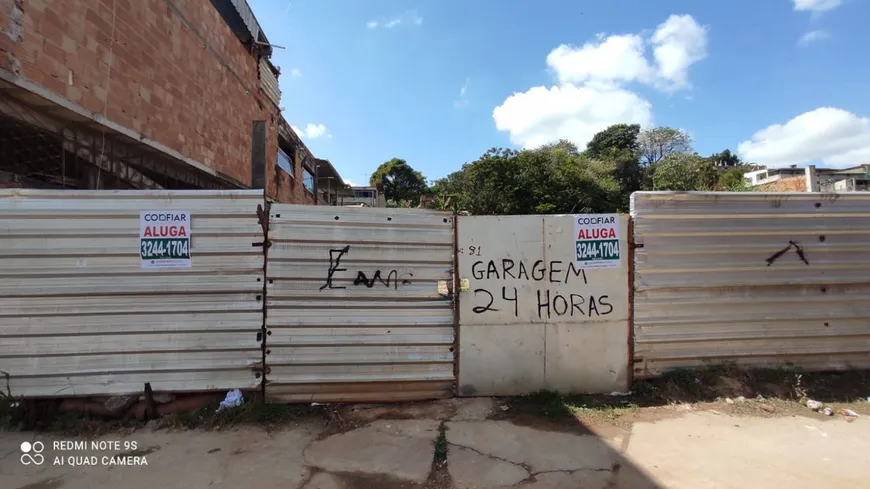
<point>792,245</point>
<point>334,264</point>
<point>393,277</point>
<point>335,255</point>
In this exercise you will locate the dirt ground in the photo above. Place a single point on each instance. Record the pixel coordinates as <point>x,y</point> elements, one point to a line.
<point>718,428</point>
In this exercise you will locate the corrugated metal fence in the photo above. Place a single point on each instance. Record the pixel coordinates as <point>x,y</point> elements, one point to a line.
<point>78,314</point>
<point>354,310</point>
<point>755,278</point>
<point>358,302</point>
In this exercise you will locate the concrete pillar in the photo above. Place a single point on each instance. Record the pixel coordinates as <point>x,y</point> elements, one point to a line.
<point>812,179</point>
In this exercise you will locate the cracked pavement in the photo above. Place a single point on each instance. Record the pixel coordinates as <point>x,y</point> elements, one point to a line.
<point>393,447</point>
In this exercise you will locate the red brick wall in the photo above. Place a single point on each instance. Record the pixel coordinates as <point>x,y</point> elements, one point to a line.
<point>179,77</point>
<point>791,184</point>
<point>284,188</point>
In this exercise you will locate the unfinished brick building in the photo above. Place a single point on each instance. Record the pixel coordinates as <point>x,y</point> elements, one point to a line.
<point>147,94</point>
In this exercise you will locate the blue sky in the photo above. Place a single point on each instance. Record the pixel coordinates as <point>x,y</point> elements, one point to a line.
<point>438,82</point>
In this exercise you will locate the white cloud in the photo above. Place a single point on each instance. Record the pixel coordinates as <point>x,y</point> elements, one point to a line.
<point>312,131</point>
<point>591,93</point>
<point>410,17</point>
<point>812,36</point>
<point>836,137</point>
<point>296,72</point>
<point>615,58</point>
<point>542,115</point>
<point>816,5</point>
<point>678,43</point>
<point>348,182</point>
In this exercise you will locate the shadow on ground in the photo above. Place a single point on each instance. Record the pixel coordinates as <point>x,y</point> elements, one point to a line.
<point>540,441</point>
<point>774,392</point>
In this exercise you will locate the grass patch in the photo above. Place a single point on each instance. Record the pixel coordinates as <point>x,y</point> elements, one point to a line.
<point>713,383</point>
<point>441,445</point>
<point>6,409</point>
<point>747,391</point>
<point>553,405</point>
<point>439,475</point>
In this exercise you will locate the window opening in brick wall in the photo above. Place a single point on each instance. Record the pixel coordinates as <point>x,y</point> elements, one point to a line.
<point>285,162</point>
<point>308,180</point>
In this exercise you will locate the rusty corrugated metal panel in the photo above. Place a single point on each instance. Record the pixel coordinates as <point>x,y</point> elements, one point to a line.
<point>269,82</point>
<point>79,316</point>
<point>338,333</point>
<point>704,292</point>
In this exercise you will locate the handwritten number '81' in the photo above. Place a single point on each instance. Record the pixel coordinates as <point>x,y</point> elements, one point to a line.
<point>472,251</point>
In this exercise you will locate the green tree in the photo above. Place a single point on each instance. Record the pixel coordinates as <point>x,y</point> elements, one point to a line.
<point>659,142</point>
<point>552,179</point>
<point>618,147</point>
<point>732,179</point>
<point>402,185</point>
<point>684,172</point>
<point>724,159</point>
<point>618,137</point>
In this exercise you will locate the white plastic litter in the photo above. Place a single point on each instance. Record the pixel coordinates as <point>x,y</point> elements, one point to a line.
<point>234,399</point>
<point>619,394</point>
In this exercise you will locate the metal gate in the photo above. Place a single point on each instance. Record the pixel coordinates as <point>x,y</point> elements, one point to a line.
<point>358,307</point>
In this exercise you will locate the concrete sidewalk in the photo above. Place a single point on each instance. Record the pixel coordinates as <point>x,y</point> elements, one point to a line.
<point>683,450</point>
